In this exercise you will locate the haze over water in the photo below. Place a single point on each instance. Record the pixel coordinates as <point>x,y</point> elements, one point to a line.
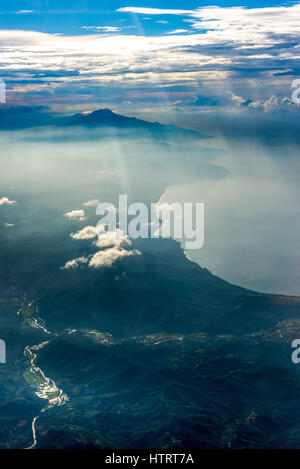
<point>250,194</point>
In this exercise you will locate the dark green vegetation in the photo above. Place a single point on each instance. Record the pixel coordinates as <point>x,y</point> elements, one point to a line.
<point>159,291</point>
<point>164,355</point>
<point>18,404</point>
<point>172,391</point>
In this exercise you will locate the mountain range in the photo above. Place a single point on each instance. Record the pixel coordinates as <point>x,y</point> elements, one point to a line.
<point>24,117</point>
<point>155,352</point>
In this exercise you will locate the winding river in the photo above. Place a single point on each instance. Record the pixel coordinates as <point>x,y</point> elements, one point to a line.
<point>44,387</point>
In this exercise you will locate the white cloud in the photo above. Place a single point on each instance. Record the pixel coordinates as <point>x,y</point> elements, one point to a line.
<point>154,11</point>
<point>91,203</point>
<point>112,238</point>
<point>24,12</point>
<point>75,215</point>
<point>274,103</point>
<point>107,257</point>
<point>239,100</point>
<point>110,244</point>
<point>104,29</point>
<point>7,201</point>
<point>236,24</point>
<point>88,232</point>
<point>74,263</point>
<point>178,31</point>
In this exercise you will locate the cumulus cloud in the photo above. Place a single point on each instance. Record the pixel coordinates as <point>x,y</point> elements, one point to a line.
<point>7,201</point>
<point>75,215</point>
<point>238,100</point>
<point>104,258</point>
<point>115,238</point>
<point>74,263</point>
<point>91,203</point>
<point>88,232</point>
<point>110,246</point>
<point>274,103</point>
<point>107,257</point>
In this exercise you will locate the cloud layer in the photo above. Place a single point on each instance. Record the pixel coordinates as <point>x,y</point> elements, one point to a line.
<point>215,45</point>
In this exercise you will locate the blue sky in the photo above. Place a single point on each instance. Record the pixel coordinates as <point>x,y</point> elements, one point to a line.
<point>148,55</point>
<point>55,16</point>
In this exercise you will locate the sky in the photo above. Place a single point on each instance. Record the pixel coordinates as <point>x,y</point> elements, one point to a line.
<point>150,55</point>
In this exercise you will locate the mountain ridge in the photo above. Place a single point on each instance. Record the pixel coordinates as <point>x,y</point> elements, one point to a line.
<point>106,117</point>
<point>26,117</point>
